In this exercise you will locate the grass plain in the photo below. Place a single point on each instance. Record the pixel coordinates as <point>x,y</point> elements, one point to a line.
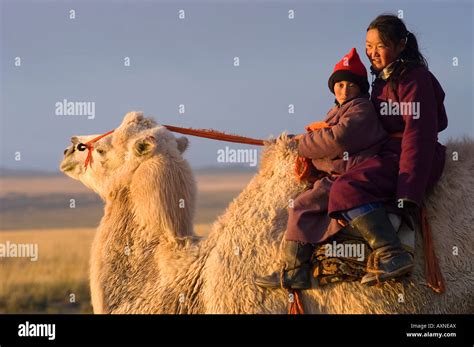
<point>38,210</point>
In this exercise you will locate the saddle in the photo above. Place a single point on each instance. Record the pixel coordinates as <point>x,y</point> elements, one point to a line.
<point>343,257</point>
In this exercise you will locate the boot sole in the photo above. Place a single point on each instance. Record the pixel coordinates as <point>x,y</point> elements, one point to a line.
<point>268,285</point>
<point>400,272</point>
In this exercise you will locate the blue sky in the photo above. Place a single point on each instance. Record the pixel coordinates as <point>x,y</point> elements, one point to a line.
<point>190,62</point>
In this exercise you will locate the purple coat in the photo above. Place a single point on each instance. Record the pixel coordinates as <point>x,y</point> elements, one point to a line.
<point>405,167</point>
<point>355,133</point>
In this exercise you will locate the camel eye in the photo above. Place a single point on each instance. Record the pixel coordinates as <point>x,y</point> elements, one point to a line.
<point>100,151</point>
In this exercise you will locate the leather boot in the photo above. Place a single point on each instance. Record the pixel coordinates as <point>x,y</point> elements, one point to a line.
<point>388,259</point>
<point>296,269</point>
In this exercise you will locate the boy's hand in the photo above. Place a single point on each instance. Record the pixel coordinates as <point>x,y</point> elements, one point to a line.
<point>298,137</point>
<point>294,137</point>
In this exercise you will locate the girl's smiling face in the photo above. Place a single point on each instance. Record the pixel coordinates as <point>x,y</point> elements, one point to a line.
<point>345,90</point>
<point>379,53</point>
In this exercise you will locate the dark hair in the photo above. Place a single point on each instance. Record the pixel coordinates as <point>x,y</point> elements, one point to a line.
<point>392,30</point>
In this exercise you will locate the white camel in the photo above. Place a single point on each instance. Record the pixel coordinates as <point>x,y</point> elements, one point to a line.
<point>146,257</point>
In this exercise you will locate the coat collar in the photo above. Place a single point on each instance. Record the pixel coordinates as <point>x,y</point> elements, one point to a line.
<point>385,73</point>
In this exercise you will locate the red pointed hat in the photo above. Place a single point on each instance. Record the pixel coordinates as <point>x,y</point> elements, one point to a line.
<point>350,68</point>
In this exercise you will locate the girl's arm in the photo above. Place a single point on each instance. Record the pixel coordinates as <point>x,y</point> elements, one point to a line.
<point>419,136</point>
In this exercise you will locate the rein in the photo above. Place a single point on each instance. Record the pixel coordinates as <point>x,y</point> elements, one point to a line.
<point>206,133</point>
<point>215,135</point>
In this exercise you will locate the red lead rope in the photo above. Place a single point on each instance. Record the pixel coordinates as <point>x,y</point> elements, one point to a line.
<point>207,133</point>
<point>215,135</point>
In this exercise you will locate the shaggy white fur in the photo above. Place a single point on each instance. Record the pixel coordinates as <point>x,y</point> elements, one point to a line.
<point>147,259</point>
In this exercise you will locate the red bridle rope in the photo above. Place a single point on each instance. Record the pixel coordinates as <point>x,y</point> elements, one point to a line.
<point>89,146</point>
<point>206,133</point>
<point>215,135</point>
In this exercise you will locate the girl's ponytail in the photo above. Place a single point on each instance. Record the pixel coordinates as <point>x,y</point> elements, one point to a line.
<point>412,52</point>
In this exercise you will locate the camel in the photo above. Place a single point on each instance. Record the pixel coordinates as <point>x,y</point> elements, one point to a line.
<point>146,258</point>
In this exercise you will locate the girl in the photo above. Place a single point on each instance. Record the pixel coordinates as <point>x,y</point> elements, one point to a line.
<point>409,102</point>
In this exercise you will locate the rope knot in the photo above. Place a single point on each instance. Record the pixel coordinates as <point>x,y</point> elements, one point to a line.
<point>88,145</point>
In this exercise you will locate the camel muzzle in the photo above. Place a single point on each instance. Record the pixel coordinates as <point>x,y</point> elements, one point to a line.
<point>68,151</point>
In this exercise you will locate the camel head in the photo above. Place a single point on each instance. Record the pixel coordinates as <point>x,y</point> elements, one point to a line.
<point>116,157</point>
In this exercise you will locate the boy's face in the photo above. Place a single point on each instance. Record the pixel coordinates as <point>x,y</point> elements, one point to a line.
<point>345,90</point>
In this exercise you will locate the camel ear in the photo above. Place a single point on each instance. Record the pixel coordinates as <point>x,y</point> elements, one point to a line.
<point>144,146</point>
<point>183,143</point>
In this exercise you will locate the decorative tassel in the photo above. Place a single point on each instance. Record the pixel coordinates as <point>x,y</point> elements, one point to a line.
<point>433,273</point>
<point>296,307</point>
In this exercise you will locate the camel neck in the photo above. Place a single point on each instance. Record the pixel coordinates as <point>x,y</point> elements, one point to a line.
<point>141,234</point>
